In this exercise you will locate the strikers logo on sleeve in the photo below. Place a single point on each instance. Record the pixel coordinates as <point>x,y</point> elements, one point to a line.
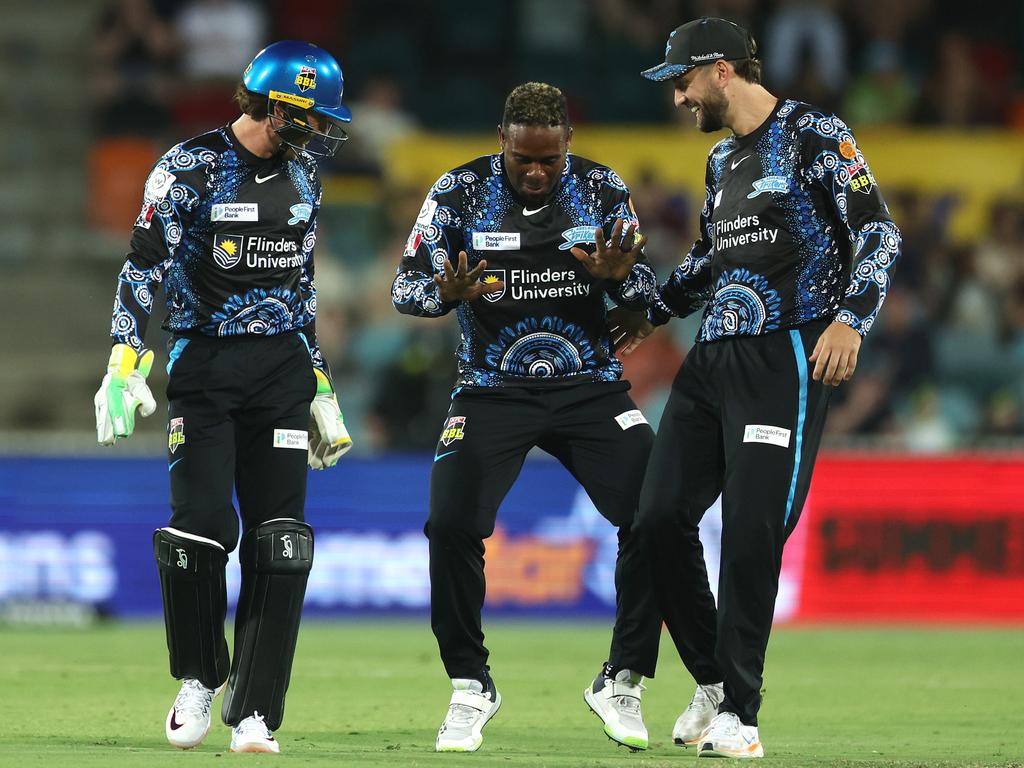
<point>454,429</point>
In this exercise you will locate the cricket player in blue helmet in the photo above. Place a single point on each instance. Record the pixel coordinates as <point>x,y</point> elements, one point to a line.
<point>303,85</point>
<point>228,228</point>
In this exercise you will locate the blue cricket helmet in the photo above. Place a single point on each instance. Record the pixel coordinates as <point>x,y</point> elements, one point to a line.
<point>300,74</point>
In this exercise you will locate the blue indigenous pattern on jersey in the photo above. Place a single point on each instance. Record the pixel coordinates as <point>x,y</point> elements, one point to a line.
<point>546,322</point>
<point>742,305</point>
<point>231,237</point>
<point>258,312</point>
<point>820,275</point>
<point>793,229</point>
<point>542,348</point>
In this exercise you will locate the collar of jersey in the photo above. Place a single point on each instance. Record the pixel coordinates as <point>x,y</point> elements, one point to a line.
<point>754,135</point>
<point>515,195</point>
<point>259,163</point>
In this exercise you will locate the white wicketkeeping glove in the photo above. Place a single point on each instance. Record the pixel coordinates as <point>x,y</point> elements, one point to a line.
<point>328,438</point>
<point>122,391</point>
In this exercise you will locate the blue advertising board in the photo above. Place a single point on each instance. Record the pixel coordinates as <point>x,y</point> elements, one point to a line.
<point>79,531</point>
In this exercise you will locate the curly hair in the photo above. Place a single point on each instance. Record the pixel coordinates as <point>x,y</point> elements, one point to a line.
<point>535,104</point>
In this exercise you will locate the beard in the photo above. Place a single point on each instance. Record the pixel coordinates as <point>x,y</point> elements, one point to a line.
<point>712,112</point>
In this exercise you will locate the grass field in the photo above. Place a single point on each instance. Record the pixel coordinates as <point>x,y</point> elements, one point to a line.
<point>373,693</point>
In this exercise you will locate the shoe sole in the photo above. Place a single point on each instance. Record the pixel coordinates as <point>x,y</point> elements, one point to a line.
<point>587,697</point>
<point>260,748</point>
<point>479,734</point>
<point>754,751</point>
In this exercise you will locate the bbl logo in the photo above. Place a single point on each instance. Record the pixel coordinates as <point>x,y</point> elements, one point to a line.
<point>491,276</point>
<point>306,79</point>
<point>176,436</point>
<point>454,429</point>
<point>227,250</point>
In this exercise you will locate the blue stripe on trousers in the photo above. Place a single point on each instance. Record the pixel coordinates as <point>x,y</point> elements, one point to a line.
<point>801,368</point>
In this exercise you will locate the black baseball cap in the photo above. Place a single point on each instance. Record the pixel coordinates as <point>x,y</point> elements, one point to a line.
<point>702,41</point>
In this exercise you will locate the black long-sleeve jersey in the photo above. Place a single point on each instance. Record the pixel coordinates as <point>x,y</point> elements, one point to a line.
<point>549,324</point>
<point>793,229</point>
<point>231,237</point>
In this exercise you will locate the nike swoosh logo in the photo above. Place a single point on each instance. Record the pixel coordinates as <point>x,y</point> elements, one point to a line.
<point>737,162</point>
<point>175,725</point>
<point>265,178</point>
<point>438,458</point>
<point>169,468</point>
<point>528,212</point>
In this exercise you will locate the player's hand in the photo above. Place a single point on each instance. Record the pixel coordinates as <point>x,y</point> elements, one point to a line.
<point>628,329</point>
<point>612,260</point>
<point>123,390</point>
<point>835,354</point>
<point>328,437</point>
<point>463,284</point>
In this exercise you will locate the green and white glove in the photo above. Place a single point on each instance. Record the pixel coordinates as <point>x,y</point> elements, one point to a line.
<point>328,438</point>
<point>122,391</point>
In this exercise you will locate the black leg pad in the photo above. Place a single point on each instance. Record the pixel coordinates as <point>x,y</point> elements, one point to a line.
<point>275,558</point>
<point>195,604</point>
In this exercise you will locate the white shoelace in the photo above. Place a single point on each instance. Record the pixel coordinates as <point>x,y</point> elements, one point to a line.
<point>193,699</point>
<point>253,725</point>
<point>725,724</point>
<point>462,714</point>
<point>700,700</point>
<point>629,704</point>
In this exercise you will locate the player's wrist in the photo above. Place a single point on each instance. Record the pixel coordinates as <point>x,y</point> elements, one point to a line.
<point>122,361</point>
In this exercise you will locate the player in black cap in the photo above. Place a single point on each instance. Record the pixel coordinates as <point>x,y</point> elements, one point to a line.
<point>794,259</point>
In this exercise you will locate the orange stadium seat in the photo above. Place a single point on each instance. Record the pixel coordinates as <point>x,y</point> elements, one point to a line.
<point>118,167</point>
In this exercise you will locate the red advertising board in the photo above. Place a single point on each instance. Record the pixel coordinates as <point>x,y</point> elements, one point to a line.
<point>898,538</point>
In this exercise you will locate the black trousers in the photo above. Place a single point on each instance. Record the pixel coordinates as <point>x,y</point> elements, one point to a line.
<point>479,455</point>
<point>234,407</point>
<point>743,420</point>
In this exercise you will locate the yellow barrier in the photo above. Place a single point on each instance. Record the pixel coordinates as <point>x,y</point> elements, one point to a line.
<point>977,167</point>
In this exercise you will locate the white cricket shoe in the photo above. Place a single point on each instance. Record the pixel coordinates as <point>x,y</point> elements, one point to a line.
<point>468,712</point>
<point>698,715</point>
<point>252,735</point>
<point>188,722</point>
<point>728,737</point>
<point>617,702</point>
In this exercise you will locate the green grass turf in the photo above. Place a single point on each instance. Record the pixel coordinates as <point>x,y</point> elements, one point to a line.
<point>373,693</point>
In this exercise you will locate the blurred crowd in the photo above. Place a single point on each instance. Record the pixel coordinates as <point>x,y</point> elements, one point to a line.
<point>943,368</point>
<point>161,65</point>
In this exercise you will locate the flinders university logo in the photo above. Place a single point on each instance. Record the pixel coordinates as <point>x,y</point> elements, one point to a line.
<point>227,250</point>
<point>490,277</point>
